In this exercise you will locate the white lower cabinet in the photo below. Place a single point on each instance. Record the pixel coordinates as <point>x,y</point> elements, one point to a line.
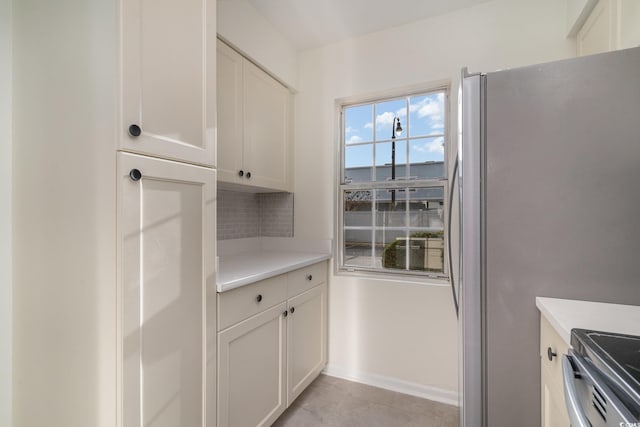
<point>166,259</point>
<point>266,360</point>
<point>306,338</point>
<point>251,373</point>
<point>552,409</point>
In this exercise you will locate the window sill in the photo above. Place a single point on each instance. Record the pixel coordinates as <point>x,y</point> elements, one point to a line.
<point>391,277</point>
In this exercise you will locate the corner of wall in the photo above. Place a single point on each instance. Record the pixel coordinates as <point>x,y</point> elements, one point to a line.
<point>6,206</point>
<point>246,29</point>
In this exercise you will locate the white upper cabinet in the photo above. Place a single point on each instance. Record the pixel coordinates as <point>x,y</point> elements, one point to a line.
<point>229,95</point>
<point>611,25</point>
<point>255,120</point>
<point>266,129</point>
<point>166,55</point>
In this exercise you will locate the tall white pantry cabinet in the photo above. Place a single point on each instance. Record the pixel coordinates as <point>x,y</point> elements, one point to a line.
<point>114,213</point>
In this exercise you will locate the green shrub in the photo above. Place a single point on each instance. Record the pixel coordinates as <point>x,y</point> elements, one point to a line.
<point>389,254</point>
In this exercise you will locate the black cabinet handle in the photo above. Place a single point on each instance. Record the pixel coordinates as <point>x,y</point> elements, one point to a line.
<point>134,130</point>
<point>135,174</point>
<point>293,309</point>
<point>248,175</point>
<point>550,353</point>
<point>241,173</point>
<point>285,313</point>
<point>309,277</point>
<point>259,297</point>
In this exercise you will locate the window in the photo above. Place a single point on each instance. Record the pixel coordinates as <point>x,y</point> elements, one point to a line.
<point>392,185</point>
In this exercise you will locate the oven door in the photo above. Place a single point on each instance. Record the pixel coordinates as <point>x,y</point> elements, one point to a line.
<point>590,401</point>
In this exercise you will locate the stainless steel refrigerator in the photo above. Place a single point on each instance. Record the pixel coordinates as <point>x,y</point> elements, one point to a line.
<point>549,180</point>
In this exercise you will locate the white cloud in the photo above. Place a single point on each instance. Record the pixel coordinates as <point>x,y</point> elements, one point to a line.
<point>354,139</point>
<point>385,118</point>
<point>434,146</point>
<point>428,107</point>
<point>349,129</point>
<point>368,125</point>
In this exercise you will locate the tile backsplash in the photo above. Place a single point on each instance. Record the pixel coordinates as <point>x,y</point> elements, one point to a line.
<point>242,215</point>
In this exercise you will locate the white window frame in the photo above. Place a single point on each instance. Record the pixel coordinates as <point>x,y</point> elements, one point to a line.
<point>401,183</point>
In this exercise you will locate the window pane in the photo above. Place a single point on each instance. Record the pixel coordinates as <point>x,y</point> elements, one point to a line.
<point>411,249</point>
<point>357,208</point>
<point>358,163</point>
<point>422,251</point>
<point>394,252</point>
<point>358,248</point>
<point>358,124</point>
<point>389,253</point>
<point>426,208</point>
<point>426,158</point>
<point>426,115</point>
<point>388,213</point>
<point>385,112</point>
<point>384,163</point>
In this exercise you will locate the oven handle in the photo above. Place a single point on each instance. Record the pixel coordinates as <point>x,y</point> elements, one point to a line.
<point>576,416</point>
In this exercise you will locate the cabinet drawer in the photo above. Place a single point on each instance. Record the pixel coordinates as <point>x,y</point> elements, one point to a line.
<point>549,338</point>
<point>306,278</point>
<point>241,303</point>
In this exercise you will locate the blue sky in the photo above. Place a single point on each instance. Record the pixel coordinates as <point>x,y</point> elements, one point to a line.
<point>426,118</point>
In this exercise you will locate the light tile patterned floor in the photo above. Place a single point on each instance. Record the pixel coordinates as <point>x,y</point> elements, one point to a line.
<point>334,402</point>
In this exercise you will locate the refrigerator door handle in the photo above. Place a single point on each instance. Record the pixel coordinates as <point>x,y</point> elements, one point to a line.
<point>449,251</point>
<point>576,415</point>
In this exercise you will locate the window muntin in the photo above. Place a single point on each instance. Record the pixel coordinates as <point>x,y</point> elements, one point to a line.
<point>394,226</point>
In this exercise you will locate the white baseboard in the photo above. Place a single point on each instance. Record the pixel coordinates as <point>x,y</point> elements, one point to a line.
<point>414,389</point>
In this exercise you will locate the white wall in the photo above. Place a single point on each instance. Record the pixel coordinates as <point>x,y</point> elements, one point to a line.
<point>6,294</point>
<point>64,205</point>
<point>241,25</point>
<point>577,13</point>
<point>386,331</point>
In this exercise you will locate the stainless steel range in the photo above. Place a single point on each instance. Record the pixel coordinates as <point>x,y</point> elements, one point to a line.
<point>602,379</point>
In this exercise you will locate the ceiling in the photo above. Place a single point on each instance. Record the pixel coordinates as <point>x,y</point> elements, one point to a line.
<point>311,23</point>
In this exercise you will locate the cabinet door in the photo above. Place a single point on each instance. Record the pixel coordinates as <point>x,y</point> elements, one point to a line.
<point>251,370</point>
<point>306,338</point>
<point>166,262</point>
<point>266,129</point>
<point>553,409</point>
<point>165,80</point>
<point>229,95</point>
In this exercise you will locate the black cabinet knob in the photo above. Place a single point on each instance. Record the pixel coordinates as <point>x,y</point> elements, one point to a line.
<point>550,353</point>
<point>293,309</point>
<point>309,277</point>
<point>248,174</point>
<point>241,173</point>
<point>135,174</point>
<point>134,130</point>
<point>286,313</point>
<point>259,297</point>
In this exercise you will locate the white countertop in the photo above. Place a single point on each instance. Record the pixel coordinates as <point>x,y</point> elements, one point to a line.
<point>564,315</point>
<point>245,261</point>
